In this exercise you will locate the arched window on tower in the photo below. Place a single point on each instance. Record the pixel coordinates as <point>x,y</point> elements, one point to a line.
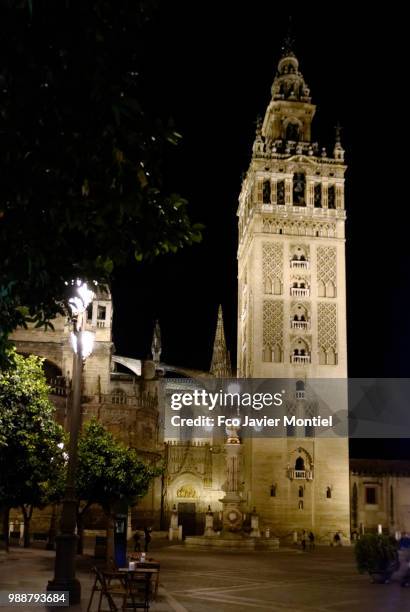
<point>328,493</point>
<point>268,285</point>
<point>293,131</point>
<point>300,389</point>
<point>301,491</point>
<point>273,490</point>
<point>331,358</point>
<point>277,286</point>
<point>321,289</point>
<point>330,289</point>
<point>266,192</point>
<point>331,197</point>
<point>280,193</point>
<point>318,195</point>
<point>322,356</point>
<point>300,464</point>
<point>277,353</point>
<point>299,184</point>
<point>267,354</point>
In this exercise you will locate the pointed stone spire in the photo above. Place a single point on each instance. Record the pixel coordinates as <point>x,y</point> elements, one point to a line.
<point>221,361</point>
<point>338,151</point>
<point>156,346</point>
<point>258,145</point>
<point>258,126</point>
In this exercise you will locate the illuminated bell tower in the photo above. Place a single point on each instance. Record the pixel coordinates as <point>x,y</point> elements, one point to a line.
<point>292,304</point>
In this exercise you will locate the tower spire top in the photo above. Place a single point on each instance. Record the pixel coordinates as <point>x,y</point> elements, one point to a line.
<point>221,361</point>
<point>338,132</point>
<point>288,45</point>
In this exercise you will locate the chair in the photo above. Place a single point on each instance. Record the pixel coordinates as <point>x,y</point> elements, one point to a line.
<point>102,585</point>
<point>138,591</point>
<point>97,588</point>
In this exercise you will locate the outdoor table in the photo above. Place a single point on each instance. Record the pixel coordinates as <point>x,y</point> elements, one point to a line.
<point>148,563</point>
<point>134,577</point>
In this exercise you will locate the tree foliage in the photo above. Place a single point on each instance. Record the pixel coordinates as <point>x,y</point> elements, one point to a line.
<point>375,553</point>
<point>80,154</point>
<point>108,471</point>
<point>31,460</point>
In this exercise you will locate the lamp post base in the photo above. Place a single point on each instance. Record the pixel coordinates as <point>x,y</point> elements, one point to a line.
<point>64,569</point>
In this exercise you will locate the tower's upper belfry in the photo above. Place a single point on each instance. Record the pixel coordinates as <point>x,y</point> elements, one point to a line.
<point>287,126</point>
<point>290,112</point>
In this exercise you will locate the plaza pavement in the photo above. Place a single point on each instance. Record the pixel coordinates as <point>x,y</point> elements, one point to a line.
<point>324,580</point>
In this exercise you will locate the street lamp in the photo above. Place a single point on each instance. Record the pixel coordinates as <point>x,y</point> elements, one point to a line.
<point>66,542</point>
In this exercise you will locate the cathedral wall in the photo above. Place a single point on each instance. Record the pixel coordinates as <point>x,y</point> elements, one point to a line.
<point>380,500</point>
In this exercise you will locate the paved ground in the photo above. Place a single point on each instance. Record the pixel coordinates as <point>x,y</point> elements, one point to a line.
<point>325,580</point>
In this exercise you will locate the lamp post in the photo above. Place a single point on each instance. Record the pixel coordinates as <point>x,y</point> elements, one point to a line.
<point>66,541</point>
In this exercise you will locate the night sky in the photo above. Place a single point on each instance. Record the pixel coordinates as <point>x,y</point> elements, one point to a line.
<point>210,66</point>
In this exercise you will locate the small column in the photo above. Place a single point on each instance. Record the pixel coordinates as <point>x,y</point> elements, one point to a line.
<point>325,185</point>
<point>288,191</point>
<point>255,532</point>
<point>310,193</point>
<point>339,195</point>
<point>273,189</point>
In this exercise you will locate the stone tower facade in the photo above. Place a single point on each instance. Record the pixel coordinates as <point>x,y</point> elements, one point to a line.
<point>292,306</point>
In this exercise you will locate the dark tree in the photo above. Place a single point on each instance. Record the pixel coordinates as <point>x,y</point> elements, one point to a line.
<point>80,154</point>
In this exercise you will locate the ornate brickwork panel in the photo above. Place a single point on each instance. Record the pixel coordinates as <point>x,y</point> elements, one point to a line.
<point>326,264</point>
<point>191,459</point>
<point>272,323</point>
<point>327,328</point>
<point>272,261</point>
<point>299,228</point>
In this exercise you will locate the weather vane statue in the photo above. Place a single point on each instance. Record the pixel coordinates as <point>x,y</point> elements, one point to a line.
<point>288,44</point>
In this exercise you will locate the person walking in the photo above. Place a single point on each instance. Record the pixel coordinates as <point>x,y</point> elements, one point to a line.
<point>137,541</point>
<point>147,537</point>
<point>311,540</point>
<point>303,540</point>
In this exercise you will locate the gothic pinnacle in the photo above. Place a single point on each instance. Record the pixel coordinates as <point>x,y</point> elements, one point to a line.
<point>221,362</point>
<point>156,347</point>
